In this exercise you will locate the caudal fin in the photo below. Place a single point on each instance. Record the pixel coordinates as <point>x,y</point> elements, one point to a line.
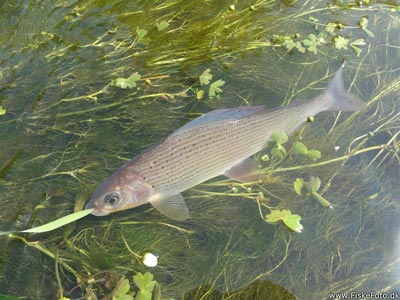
<point>339,98</point>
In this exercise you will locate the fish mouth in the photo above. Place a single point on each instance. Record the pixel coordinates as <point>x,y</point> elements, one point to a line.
<point>97,211</point>
<point>100,212</point>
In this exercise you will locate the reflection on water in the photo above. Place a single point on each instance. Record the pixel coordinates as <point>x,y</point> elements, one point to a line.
<point>65,129</point>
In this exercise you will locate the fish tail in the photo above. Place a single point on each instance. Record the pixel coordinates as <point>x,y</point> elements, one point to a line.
<point>339,98</point>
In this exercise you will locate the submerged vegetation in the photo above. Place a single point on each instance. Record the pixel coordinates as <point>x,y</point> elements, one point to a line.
<point>86,86</point>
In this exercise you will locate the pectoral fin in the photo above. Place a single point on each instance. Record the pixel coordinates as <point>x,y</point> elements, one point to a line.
<point>245,171</point>
<point>173,207</point>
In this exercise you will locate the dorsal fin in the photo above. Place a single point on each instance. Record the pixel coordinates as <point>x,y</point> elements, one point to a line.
<point>221,115</point>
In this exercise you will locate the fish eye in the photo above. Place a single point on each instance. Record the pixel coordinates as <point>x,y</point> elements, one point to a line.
<point>111,199</point>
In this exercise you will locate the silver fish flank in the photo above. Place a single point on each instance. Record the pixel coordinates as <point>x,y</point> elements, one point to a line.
<point>216,143</point>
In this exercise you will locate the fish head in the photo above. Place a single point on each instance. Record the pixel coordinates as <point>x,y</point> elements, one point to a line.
<point>122,190</point>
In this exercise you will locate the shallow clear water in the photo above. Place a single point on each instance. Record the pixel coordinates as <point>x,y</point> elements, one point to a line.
<point>65,129</point>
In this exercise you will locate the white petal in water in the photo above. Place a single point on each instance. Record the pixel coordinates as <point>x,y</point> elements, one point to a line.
<point>150,260</point>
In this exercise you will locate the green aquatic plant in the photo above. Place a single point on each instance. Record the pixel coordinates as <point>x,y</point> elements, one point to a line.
<point>301,149</point>
<point>312,41</point>
<point>141,33</point>
<point>312,186</point>
<point>2,110</point>
<point>292,221</point>
<point>278,139</point>
<point>122,290</point>
<point>341,42</point>
<point>214,89</point>
<point>162,25</point>
<point>363,24</point>
<point>126,83</point>
<point>146,285</point>
<point>54,224</point>
<point>148,288</point>
<point>288,42</point>
<point>356,44</point>
<point>332,27</point>
<point>205,77</point>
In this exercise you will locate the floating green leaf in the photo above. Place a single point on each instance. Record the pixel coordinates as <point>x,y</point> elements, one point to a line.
<point>278,151</point>
<point>290,44</point>
<point>140,33</point>
<point>205,77</point>
<point>341,42</point>
<point>300,148</point>
<point>313,154</point>
<point>146,284</point>
<point>311,43</point>
<point>162,25</point>
<point>312,187</point>
<point>55,224</point>
<point>215,88</point>
<point>121,290</point>
<point>330,28</point>
<point>355,45</point>
<point>142,280</point>
<point>125,83</point>
<point>2,110</point>
<point>363,24</point>
<point>279,137</point>
<point>275,215</point>
<point>298,185</point>
<point>314,184</point>
<point>144,295</point>
<point>292,221</point>
<point>199,94</point>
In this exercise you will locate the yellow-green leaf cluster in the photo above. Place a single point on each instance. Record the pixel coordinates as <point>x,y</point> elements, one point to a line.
<point>126,83</point>
<point>292,221</point>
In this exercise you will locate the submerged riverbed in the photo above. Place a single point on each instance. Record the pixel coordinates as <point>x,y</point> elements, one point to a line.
<point>85,86</point>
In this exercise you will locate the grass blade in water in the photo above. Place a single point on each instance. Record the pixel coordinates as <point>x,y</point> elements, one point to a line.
<point>54,224</point>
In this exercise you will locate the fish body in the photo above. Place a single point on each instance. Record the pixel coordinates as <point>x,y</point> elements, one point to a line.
<point>216,143</point>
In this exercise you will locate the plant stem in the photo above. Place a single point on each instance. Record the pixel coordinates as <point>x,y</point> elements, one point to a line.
<point>379,147</point>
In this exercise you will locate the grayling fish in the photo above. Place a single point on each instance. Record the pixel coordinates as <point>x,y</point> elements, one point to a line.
<point>218,142</point>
